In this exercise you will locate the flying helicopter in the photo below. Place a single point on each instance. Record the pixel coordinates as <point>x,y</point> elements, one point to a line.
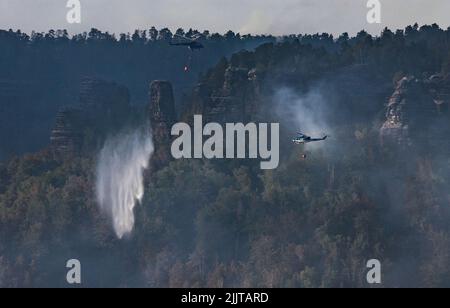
<point>304,139</point>
<point>192,43</point>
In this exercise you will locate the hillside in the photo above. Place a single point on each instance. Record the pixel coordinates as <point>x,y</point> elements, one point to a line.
<point>40,73</point>
<point>377,188</point>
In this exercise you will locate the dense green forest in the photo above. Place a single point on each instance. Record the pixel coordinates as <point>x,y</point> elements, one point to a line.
<point>225,223</point>
<point>41,72</point>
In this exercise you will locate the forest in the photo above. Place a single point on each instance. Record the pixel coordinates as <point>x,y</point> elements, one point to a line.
<point>41,72</point>
<point>377,189</point>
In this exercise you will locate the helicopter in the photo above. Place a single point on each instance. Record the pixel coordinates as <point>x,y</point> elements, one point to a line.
<point>192,43</point>
<point>304,139</point>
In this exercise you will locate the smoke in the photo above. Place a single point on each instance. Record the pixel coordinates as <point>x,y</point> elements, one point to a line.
<point>306,113</point>
<point>258,22</point>
<point>120,180</point>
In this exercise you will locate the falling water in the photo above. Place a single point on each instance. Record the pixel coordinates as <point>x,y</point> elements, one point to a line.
<point>120,180</point>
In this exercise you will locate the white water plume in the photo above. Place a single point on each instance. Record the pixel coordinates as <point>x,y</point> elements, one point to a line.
<point>120,179</point>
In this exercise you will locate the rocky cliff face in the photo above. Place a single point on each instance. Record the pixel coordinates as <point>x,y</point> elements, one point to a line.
<point>101,105</point>
<point>162,117</point>
<point>102,98</point>
<point>234,100</point>
<point>439,87</point>
<point>417,111</point>
<point>227,104</point>
<point>66,137</point>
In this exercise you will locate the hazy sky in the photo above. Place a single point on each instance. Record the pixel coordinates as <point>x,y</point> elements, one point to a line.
<point>244,16</point>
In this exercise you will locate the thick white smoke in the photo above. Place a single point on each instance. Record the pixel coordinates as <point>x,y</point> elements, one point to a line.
<point>120,180</point>
<point>306,112</point>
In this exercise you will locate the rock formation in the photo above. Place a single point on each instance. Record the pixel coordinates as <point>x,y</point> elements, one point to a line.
<point>439,86</point>
<point>162,117</point>
<point>235,99</point>
<point>225,103</point>
<point>66,137</point>
<point>102,105</point>
<point>417,111</point>
<point>103,98</point>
